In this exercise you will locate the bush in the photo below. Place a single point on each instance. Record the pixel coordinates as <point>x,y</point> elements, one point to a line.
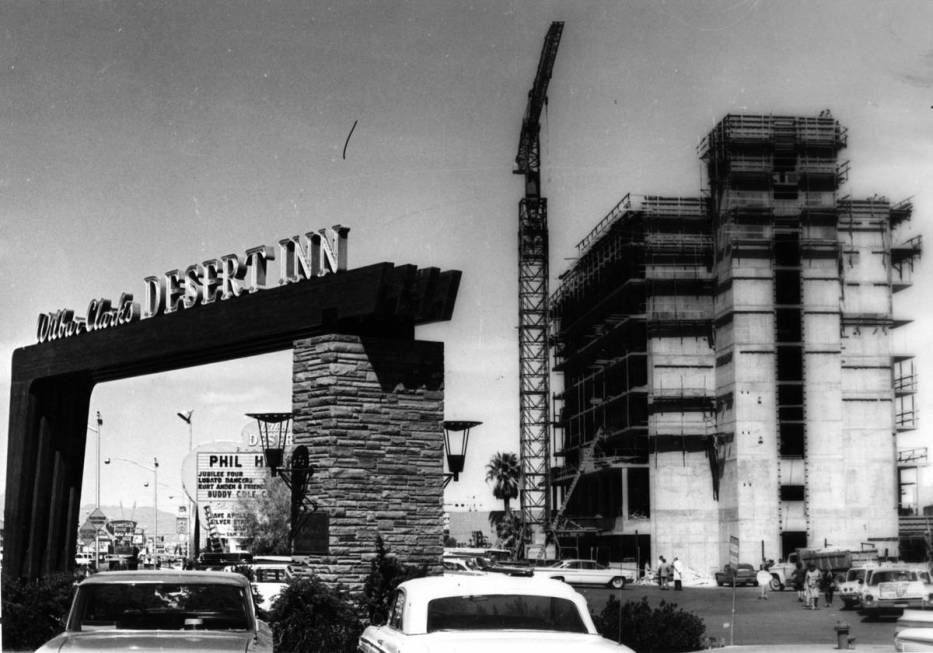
<point>34,611</point>
<point>385,573</point>
<point>665,628</point>
<point>310,616</point>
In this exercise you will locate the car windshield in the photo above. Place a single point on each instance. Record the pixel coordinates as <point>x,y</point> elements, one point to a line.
<point>855,574</point>
<point>504,612</point>
<point>893,575</point>
<point>160,606</point>
<point>271,575</point>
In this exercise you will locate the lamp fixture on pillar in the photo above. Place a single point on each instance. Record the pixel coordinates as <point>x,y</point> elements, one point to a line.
<point>295,469</point>
<point>456,439</point>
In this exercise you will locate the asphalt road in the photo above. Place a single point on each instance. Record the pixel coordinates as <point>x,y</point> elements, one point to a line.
<point>779,620</point>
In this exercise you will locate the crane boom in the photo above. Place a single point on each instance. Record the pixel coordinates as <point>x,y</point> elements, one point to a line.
<point>534,370</point>
<point>528,161</point>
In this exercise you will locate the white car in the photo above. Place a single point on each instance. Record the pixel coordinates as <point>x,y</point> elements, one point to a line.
<point>269,579</point>
<point>850,590</point>
<point>587,572</point>
<point>492,614</point>
<point>891,590</point>
<point>163,611</point>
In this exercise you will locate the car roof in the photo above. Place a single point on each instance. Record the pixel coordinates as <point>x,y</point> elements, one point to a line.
<point>432,587</point>
<point>159,576</point>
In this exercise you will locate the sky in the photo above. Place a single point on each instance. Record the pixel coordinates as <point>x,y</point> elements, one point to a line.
<point>140,137</point>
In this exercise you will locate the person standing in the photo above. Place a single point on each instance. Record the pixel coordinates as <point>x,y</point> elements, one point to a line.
<point>828,585</point>
<point>798,580</point>
<point>665,572</point>
<point>763,578</point>
<point>677,569</point>
<point>661,565</point>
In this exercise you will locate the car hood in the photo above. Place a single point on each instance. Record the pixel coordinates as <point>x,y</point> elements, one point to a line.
<point>110,641</point>
<point>515,641</point>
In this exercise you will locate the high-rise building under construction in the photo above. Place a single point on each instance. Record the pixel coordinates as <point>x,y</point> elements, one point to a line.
<point>727,361</point>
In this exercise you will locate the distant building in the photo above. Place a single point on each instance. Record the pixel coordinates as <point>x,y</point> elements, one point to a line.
<point>727,360</point>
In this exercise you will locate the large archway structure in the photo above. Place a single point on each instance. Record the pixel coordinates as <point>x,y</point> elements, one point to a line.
<point>335,317</point>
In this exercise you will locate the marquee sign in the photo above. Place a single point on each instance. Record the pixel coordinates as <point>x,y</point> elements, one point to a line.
<point>226,483</point>
<point>218,279</point>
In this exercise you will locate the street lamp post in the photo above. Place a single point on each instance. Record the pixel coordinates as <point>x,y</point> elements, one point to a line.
<point>186,418</point>
<point>295,471</point>
<point>100,423</point>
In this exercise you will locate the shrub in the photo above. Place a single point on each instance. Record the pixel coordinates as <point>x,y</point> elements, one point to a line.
<point>310,616</point>
<point>646,629</point>
<point>34,611</point>
<point>385,573</point>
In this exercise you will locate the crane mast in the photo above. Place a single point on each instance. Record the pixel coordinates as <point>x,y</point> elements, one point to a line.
<point>534,370</point>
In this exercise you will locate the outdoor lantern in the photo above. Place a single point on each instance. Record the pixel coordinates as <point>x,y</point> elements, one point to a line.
<point>273,428</point>
<point>456,439</point>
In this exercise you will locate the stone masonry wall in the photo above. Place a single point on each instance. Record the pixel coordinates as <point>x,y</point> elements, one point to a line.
<point>370,411</point>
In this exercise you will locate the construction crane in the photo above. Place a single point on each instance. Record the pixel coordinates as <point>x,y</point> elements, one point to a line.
<point>534,370</point>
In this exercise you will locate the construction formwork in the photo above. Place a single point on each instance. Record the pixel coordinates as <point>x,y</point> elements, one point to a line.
<point>644,273</point>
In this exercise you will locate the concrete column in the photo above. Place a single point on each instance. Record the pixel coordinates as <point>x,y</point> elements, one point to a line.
<point>370,412</point>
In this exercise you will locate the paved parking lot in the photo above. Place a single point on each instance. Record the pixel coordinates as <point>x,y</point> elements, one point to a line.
<point>779,620</point>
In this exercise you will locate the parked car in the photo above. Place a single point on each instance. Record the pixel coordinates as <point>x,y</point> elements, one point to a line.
<point>913,640</point>
<point>492,566</point>
<point>459,565</point>
<point>163,610</point>
<point>850,589</point>
<point>741,574</point>
<point>269,579</point>
<point>889,590</point>
<point>587,572</point>
<point>492,614</point>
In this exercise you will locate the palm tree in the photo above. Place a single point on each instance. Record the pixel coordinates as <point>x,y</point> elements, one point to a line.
<point>504,470</point>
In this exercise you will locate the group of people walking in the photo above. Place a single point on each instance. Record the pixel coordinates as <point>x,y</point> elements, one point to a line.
<point>810,583</point>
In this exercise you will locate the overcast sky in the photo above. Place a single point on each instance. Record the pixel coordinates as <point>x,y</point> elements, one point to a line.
<point>139,137</point>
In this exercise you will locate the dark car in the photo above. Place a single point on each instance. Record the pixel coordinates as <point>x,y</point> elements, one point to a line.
<point>741,574</point>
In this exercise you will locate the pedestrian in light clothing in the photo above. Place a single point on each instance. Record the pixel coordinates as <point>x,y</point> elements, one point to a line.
<point>677,569</point>
<point>763,578</point>
<point>812,586</point>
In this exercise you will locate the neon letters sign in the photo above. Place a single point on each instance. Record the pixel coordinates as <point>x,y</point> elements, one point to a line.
<point>219,279</point>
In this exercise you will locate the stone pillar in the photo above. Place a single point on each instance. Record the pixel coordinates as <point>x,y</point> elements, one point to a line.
<point>370,412</point>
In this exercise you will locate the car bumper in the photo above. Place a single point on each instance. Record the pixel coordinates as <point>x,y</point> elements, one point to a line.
<point>894,606</point>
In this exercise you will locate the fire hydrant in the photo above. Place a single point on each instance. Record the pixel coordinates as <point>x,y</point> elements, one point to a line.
<point>842,635</point>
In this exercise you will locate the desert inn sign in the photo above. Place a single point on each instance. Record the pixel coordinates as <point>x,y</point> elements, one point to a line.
<point>367,397</point>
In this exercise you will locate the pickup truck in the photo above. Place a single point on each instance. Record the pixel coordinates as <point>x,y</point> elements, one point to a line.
<point>491,613</point>
<point>742,574</point>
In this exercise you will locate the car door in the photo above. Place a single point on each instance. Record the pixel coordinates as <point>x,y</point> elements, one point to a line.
<point>591,572</point>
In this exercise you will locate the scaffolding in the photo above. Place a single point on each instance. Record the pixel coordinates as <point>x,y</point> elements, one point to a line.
<point>643,271</point>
